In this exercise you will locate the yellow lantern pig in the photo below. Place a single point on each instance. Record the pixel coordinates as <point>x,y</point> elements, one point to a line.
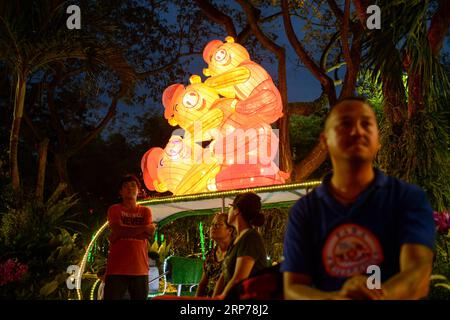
<point>190,108</point>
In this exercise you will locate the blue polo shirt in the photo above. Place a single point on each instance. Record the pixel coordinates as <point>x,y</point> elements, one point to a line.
<point>331,242</point>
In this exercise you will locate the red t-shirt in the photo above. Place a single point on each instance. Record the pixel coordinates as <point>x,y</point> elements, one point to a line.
<point>128,256</point>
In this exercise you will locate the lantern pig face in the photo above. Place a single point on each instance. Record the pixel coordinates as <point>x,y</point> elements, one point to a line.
<point>190,108</point>
<point>182,167</point>
<point>222,57</point>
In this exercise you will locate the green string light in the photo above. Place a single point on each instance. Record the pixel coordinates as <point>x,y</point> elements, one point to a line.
<point>162,238</point>
<point>90,255</point>
<point>156,236</point>
<point>202,239</point>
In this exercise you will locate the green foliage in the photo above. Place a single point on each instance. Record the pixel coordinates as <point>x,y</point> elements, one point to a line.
<point>414,130</point>
<point>43,236</point>
<point>273,232</point>
<point>304,134</point>
<point>159,252</point>
<point>440,285</point>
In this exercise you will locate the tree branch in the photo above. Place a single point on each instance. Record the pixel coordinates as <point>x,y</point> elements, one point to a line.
<point>308,108</point>
<point>336,10</point>
<point>55,122</point>
<point>143,75</point>
<point>283,123</point>
<point>109,115</point>
<point>344,35</point>
<point>440,23</point>
<point>326,51</point>
<point>218,17</point>
<point>308,165</point>
<point>319,74</point>
<point>252,16</point>
<point>336,66</point>
<point>242,36</point>
<point>31,125</point>
<point>361,7</point>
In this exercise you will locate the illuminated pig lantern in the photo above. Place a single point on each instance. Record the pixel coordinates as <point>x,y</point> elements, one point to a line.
<point>182,167</point>
<point>190,106</point>
<point>234,75</point>
<point>234,108</point>
<point>247,159</point>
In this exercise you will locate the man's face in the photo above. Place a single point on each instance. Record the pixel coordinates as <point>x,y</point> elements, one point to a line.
<point>129,190</point>
<point>351,132</point>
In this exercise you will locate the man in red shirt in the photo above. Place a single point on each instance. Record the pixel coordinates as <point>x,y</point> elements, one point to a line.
<point>131,225</point>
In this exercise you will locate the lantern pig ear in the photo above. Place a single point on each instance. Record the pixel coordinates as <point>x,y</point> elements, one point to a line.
<point>150,162</point>
<point>229,39</point>
<point>195,79</point>
<point>168,98</point>
<point>206,72</point>
<point>209,49</point>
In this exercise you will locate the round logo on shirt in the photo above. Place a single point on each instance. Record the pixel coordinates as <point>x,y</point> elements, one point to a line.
<point>349,250</point>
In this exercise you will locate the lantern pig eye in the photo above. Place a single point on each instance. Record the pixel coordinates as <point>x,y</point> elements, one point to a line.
<point>174,148</point>
<point>191,99</point>
<point>221,56</point>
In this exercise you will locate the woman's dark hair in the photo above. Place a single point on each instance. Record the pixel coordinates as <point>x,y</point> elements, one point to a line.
<point>249,205</point>
<point>128,178</point>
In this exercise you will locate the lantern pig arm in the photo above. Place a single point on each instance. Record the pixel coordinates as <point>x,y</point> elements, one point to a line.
<point>229,78</point>
<point>265,101</point>
<point>196,180</point>
<point>248,175</point>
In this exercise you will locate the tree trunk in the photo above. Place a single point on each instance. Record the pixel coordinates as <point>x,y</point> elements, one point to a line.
<point>283,123</point>
<point>61,160</point>
<point>42,164</point>
<point>19,101</point>
<point>308,165</point>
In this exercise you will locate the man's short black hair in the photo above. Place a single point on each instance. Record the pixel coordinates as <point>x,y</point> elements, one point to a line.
<point>127,178</point>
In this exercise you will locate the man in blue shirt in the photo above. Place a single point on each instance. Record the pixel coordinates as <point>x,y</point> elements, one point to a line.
<point>358,218</point>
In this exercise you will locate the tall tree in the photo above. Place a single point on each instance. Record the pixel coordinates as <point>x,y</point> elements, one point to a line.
<point>406,63</point>
<point>32,37</point>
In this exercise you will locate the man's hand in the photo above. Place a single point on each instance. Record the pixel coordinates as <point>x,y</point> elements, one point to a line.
<point>356,288</point>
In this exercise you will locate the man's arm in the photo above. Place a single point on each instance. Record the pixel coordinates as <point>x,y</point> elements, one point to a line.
<point>297,286</point>
<point>242,270</point>
<point>126,231</point>
<point>120,230</point>
<point>413,280</point>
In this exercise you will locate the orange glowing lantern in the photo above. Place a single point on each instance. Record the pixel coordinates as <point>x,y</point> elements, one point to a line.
<point>190,108</point>
<point>234,75</point>
<point>234,108</point>
<point>182,167</point>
